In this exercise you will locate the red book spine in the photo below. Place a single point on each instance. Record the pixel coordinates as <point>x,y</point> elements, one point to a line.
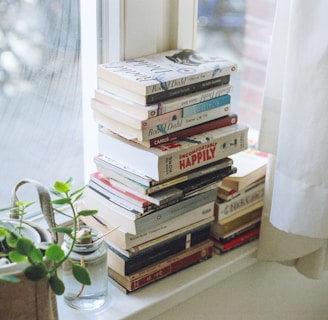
<point>211,125</point>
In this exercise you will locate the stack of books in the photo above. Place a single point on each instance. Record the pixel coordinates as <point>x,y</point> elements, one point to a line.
<point>239,205</point>
<point>166,132</point>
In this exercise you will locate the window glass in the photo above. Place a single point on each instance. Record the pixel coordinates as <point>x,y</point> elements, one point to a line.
<point>40,93</point>
<point>239,30</point>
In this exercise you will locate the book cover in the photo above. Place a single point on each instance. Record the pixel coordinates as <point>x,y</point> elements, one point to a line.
<point>177,262</point>
<point>172,159</point>
<point>251,167</point>
<point>165,71</point>
<point>244,199</point>
<point>125,240</point>
<point>125,266</point>
<point>109,211</point>
<point>157,109</point>
<point>198,129</point>
<point>160,129</point>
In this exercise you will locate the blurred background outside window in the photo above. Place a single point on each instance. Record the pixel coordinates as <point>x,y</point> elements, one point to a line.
<point>40,93</point>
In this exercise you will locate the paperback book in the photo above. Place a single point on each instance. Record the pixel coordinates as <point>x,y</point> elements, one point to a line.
<point>161,129</point>
<point>163,107</point>
<point>169,160</point>
<point>165,71</point>
<point>163,268</point>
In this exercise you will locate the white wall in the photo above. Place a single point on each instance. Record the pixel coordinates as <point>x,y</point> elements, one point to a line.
<point>264,291</point>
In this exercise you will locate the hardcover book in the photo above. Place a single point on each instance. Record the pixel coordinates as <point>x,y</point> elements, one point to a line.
<point>165,71</point>
<point>174,263</point>
<point>169,160</point>
<point>160,129</point>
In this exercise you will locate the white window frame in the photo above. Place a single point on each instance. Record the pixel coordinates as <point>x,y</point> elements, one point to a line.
<point>121,29</point>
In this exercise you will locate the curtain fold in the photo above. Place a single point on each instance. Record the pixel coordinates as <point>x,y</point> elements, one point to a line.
<point>294,131</point>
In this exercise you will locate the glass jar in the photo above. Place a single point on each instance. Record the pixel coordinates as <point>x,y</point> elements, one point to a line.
<point>93,256</point>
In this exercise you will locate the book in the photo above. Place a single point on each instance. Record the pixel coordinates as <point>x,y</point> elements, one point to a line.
<point>164,239</point>
<point>125,240</point>
<point>239,219</point>
<point>251,167</point>
<point>198,129</point>
<point>115,215</point>
<point>112,169</point>
<point>238,231</point>
<point>147,112</point>
<point>243,200</point>
<point>160,72</point>
<point>244,238</point>
<point>160,97</point>
<point>163,268</point>
<point>160,129</point>
<point>181,189</point>
<point>169,160</point>
<point>137,122</point>
<point>125,266</point>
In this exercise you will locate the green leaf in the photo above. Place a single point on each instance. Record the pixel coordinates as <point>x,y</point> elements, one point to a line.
<point>36,272</point>
<point>12,240</point>
<point>85,213</point>
<point>55,253</point>
<point>62,187</point>
<point>57,285</point>
<point>62,201</point>
<point>36,255</point>
<point>9,279</point>
<point>66,230</point>
<point>3,232</point>
<point>17,257</point>
<point>24,246</point>
<point>81,274</point>
<point>78,191</point>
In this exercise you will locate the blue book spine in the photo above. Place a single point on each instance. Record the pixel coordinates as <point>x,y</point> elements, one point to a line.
<point>206,105</point>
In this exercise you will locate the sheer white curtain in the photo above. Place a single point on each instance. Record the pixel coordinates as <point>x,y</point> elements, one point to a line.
<point>294,130</point>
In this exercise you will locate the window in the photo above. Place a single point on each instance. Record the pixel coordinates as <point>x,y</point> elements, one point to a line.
<point>40,94</point>
<point>239,30</point>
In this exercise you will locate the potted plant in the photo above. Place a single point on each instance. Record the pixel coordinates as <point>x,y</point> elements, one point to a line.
<point>30,257</point>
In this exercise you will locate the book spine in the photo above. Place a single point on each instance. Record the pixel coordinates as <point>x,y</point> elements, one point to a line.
<point>163,128</point>
<point>126,240</point>
<point>240,240</point>
<point>172,265</point>
<point>159,252</point>
<point>201,128</point>
<point>181,91</point>
<point>108,211</point>
<point>243,200</point>
<point>196,156</point>
<point>206,105</point>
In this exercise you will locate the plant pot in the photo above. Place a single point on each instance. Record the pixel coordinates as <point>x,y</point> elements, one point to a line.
<point>27,299</point>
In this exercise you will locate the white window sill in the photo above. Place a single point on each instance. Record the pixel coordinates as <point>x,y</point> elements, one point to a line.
<point>164,294</point>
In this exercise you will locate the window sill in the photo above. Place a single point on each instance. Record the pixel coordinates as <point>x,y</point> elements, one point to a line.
<point>162,295</point>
